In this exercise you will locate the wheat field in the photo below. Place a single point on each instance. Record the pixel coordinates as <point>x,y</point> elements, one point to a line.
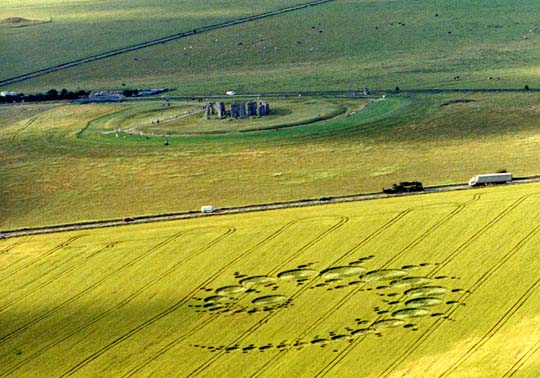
<point>441,283</point>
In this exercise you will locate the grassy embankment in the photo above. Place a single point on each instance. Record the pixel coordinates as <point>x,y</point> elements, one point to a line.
<point>187,118</point>
<point>49,176</point>
<point>419,286</point>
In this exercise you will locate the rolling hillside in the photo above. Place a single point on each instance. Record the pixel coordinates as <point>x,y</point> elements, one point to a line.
<point>344,44</point>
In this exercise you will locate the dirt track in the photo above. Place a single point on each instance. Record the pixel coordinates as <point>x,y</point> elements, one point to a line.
<point>237,210</point>
<point>158,41</point>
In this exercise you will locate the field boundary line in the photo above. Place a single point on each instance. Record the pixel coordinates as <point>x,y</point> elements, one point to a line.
<point>205,365</point>
<point>157,41</point>
<point>349,295</point>
<point>95,319</point>
<point>414,345</point>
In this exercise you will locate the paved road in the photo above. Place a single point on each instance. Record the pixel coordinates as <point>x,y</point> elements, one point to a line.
<point>158,41</point>
<point>238,210</point>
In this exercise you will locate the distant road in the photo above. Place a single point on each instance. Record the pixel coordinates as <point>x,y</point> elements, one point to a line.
<point>376,93</point>
<point>154,42</point>
<point>238,210</point>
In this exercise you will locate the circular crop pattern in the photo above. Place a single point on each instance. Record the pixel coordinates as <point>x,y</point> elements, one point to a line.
<point>383,275</point>
<point>228,290</point>
<point>296,274</point>
<point>411,313</point>
<point>216,299</point>
<point>388,323</point>
<point>391,296</point>
<point>426,291</point>
<point>362,331</point>
<point>319,341</point>
<point>269,299</point>
<point>342,271</point>
<point>423,302</point>
<point>410,282</point>
<point>256,280</point>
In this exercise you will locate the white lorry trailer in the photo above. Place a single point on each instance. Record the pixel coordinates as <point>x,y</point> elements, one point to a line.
<point>491,178</point>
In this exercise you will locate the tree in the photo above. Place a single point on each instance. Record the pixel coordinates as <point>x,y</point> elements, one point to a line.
<point>52,94</point>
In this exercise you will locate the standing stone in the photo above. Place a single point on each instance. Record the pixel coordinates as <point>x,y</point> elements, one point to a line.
<point>251,108</point>
<point>235,110</point>
<point>221,110</point>
<point>207,112</point>
<point>261,109</point>
<point>242,110</point>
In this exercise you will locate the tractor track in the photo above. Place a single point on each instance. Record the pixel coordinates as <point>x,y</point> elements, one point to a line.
<point>57,275</point>
<point>199,327</point>
<point>349,295</point>
<point>154,42</point>
<point>522,361</point>
<point>420,340</point>
<point>204,366</point>
<point>72,299</point>
<point>186,298</point>
<point>50,252</point>
<point>496,327</point>
<point>124,302</point>
<point>409,350</point>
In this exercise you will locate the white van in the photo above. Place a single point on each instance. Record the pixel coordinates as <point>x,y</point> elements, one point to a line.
<point>208,209</point>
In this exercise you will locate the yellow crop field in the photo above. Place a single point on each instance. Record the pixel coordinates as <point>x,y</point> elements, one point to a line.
<point>438,285</point>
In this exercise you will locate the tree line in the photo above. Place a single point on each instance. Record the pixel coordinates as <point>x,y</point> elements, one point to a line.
<point>51,95</point>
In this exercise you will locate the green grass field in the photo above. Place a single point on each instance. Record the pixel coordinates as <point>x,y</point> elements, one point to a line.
<point>347,44</point>
<point>80,28</point>
<point>439,285</point>
<point>49,176</point>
